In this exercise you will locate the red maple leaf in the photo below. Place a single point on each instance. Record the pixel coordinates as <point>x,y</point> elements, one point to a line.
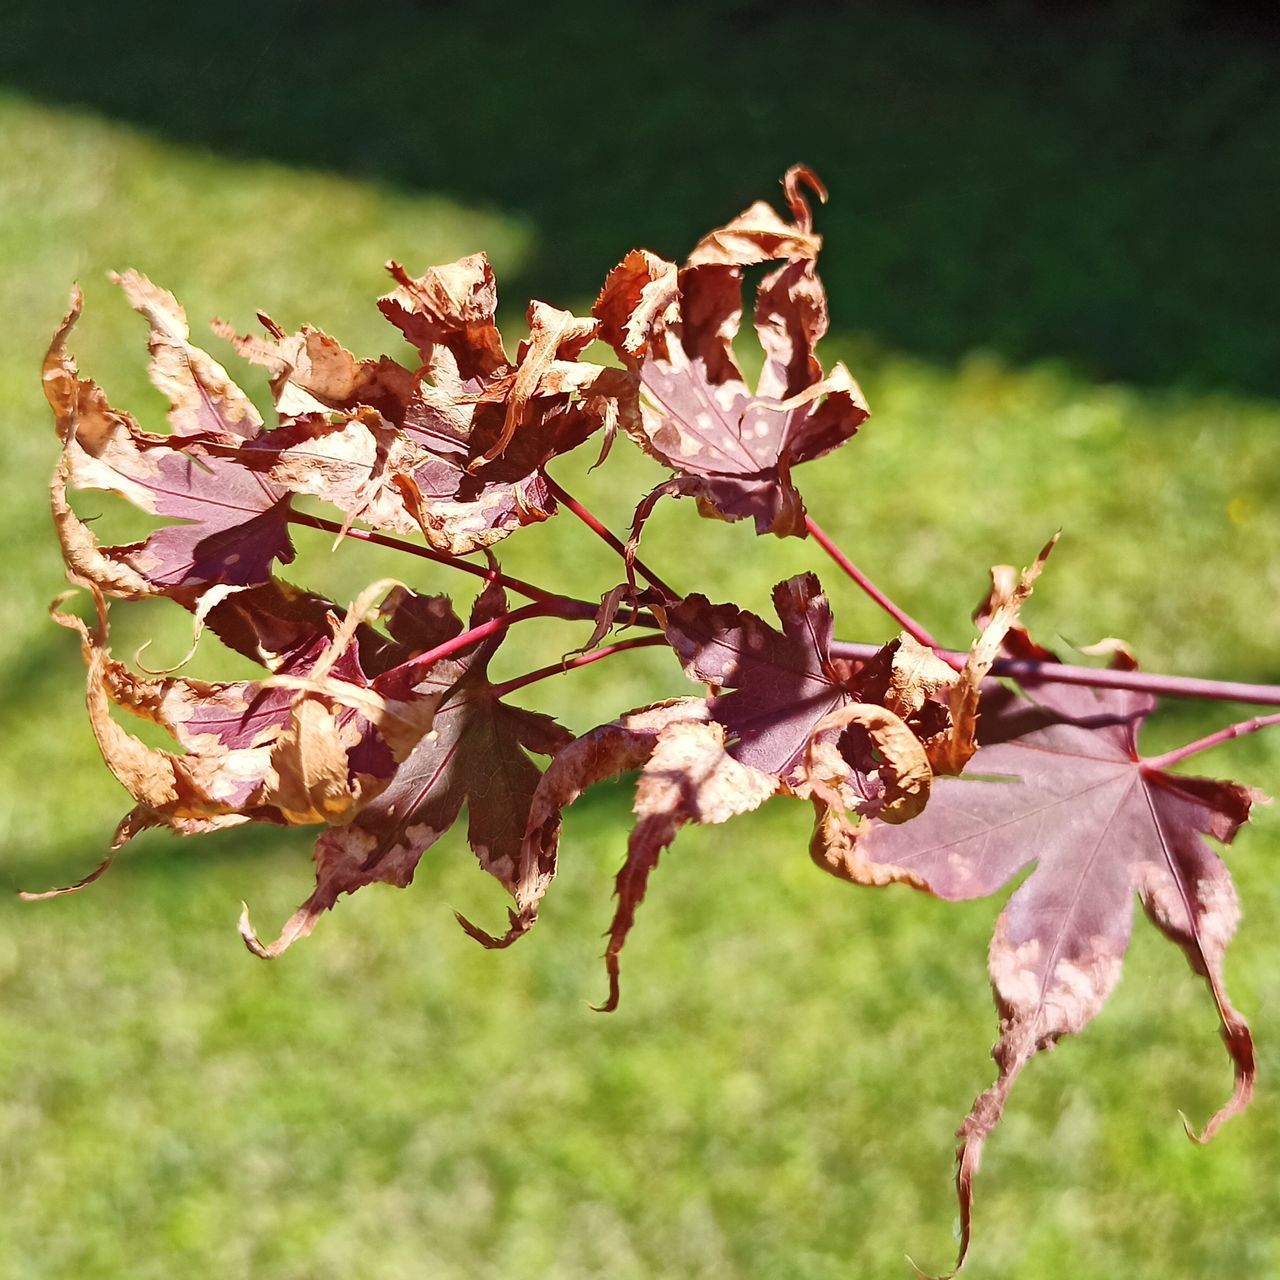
<point>1058,784</point>
<point>311,743</point>
<point>233,523</point>
<point>455,449</point>
<point>781,683</point>
<point>477,754</point>
<point>730,445</point>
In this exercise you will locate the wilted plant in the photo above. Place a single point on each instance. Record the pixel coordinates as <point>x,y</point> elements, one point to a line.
<point>379,723</point>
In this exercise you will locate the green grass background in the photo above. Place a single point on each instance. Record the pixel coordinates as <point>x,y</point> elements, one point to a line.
<point>1051,253</point>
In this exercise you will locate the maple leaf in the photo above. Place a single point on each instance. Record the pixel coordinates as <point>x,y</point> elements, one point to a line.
<point>1063,787</point>
<point>780,683</point>
<point>341,435</point>
<point>448,314</point>
<point>689,777</point>
<point>234,523</point>
<point>284,628</point>
<point>477,754</point>
<point>733,447</point>
<point>489,423</point>
<point>354,460</point>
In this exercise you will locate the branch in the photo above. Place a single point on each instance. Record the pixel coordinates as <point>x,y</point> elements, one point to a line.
<point>486,629</point>
<point>518,585</point>
<point>1054,672</point>
<point>1094,678</point>
<point>572,664</point>
<point>602,531</point>
<point>900,616</point>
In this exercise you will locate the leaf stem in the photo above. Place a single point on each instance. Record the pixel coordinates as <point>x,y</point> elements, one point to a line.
<point>474,635</point>
<point>1239,730</point>
<point>427,553</point>
<point>572,664</point>
<point>1096,678</point>
<point>602,531</point>
<point>900,616</point>
<point>1057,673</point>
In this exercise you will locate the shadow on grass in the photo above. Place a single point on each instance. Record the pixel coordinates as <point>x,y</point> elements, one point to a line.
<point>1098,184</point>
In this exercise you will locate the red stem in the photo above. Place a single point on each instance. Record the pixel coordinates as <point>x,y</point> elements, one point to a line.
<point>572,664</point>
<point>475,634</point>
<point>426,553</point>
<point>1095,678</point>
<point>602,531</point>
<point>1058,673</point>
<point>1212,740</point>
<point>900,616</point>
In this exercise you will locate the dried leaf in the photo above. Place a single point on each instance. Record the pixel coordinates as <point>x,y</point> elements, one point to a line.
<point>900,766</point>
<point>605,752</point>
<point>355,460</point>
<point>312,373</point>
<point>456,451</point>
<point>916,674</point>
<point>310,745</point>
<point>202,398</point>
<point>951,753</point>
<point>448,314</point>
<point>484,426</point>
<point>635,293</point>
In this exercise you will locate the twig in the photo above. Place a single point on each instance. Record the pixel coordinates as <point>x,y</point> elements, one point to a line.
<point>1096,678</point>
<point>603,532</point>
<point>572,664</point>
<point>517,585</point>
<point>900,616</point>
<point>1211,740</point>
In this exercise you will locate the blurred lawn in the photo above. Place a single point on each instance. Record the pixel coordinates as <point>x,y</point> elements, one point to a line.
<point>776,1096</point>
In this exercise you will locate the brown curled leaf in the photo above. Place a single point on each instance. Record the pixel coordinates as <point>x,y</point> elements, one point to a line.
<point>454,451</point>
<point>916,674</point>
<point>311,372</point>
<point>448,314</point>
<point>634,295</point>
<point>495,421</point>
<point>759,235</point>
<point>951,753</point>
<point>546,365</point>
<point>231,525</point>
<point>309,744</point>
<point>202,398</point>
<point>897,762</point>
